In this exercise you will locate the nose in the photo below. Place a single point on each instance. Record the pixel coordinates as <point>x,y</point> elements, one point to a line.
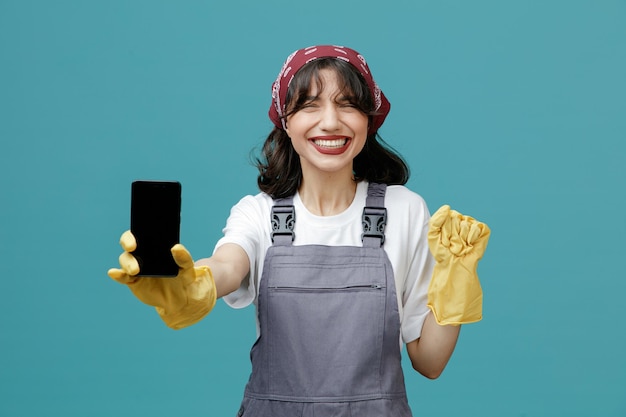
<point>329,118</point>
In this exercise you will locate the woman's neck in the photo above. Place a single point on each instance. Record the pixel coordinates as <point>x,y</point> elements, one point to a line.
<point>327,195</point>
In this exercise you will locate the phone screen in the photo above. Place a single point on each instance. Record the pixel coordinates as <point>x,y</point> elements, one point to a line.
<point>155,223</point>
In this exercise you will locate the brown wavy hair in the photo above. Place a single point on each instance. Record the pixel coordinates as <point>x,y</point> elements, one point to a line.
<point>280,173</point>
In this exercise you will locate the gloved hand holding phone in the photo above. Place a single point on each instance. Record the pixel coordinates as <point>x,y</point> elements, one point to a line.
<point>180,301</point>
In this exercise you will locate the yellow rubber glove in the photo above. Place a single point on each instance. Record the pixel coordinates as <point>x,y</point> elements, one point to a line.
<point>457,243</point>
<point>180,301</point>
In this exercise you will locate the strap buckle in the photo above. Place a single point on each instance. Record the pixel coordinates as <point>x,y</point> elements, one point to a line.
<point>283,221</point>
<point>374,221</point>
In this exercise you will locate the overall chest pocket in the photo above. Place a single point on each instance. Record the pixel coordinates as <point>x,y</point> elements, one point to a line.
<point>326,324</point>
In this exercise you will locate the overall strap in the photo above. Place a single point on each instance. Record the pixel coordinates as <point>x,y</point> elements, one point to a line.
<point>374,216</point>
<point>283,220</point>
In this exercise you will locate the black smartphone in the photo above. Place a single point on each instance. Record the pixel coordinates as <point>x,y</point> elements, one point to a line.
<point>155,223</point>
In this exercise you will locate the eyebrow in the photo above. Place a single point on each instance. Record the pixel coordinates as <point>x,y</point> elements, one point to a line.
<point>338,99</point>
<point>345,98</point>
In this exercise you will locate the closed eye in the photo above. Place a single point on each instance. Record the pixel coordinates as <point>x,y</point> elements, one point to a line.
<point>310,103</point>
<point>346,101</point>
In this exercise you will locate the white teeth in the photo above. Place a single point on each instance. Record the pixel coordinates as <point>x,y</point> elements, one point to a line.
<point>335,143</point>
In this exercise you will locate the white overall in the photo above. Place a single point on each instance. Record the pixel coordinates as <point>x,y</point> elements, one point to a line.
<point>329,342</point>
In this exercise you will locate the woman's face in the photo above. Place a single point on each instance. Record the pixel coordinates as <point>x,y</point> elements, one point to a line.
<point>328,132</point>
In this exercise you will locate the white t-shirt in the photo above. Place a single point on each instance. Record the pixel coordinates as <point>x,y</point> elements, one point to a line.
<point>406,244</point>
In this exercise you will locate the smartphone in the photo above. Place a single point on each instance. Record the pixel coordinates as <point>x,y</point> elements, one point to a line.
<point>155,223</point>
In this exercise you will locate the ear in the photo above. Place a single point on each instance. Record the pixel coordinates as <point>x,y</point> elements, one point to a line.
<point>286,128</point>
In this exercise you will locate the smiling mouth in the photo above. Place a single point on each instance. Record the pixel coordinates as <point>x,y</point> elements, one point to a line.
<point>330,143</point>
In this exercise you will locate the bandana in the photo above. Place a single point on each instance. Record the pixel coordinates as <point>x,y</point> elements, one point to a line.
<point>299,58</point>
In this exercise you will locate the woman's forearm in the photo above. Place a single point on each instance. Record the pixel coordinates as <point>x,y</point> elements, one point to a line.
<point>431,352</point>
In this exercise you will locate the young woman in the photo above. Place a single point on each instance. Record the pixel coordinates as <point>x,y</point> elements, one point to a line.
<point>337,255</point>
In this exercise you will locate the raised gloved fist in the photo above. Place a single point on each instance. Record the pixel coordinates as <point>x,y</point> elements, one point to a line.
<point>451,233</point>
<point>457,243</point>
<point>180,301</point>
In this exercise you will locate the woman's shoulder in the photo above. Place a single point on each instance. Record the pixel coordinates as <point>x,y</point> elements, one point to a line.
<point>260,201</point>
<point>406,206</point>
<point>402,196</point>
<point>252,208</point>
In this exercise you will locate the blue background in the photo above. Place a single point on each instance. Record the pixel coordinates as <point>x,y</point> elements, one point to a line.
<point>513,112</point>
